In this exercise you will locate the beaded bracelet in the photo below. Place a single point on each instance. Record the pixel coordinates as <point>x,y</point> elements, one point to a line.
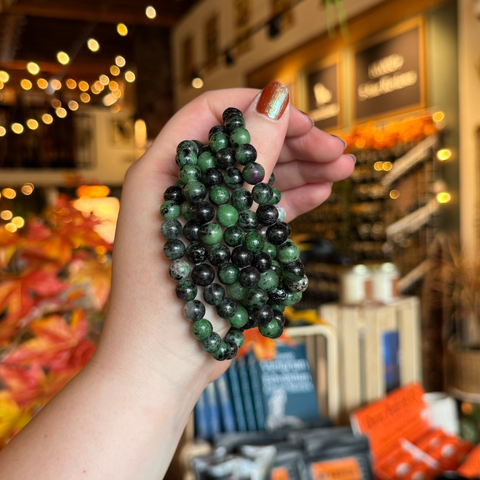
<point>257,263</point>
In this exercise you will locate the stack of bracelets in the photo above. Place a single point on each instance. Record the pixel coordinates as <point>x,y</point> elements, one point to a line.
<point>261,271</point>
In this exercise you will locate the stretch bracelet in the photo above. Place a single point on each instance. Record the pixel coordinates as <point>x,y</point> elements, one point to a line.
<point>257,266</point>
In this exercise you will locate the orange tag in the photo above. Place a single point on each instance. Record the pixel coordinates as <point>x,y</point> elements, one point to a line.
<point>342,469</point>
<point>280,473</point>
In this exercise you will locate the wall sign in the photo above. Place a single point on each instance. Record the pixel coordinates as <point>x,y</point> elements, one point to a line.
<point>322,84</point>
<point>389,75</point>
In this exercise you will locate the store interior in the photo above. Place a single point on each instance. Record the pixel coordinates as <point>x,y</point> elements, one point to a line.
<point>377,373</point>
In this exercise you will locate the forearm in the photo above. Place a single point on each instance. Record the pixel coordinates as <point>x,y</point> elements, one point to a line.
<point>105,423</point>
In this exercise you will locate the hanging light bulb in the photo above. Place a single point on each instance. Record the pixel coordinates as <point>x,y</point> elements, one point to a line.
<point>63,58</point>
<point>26,84</point>
<point>33,68</point>
<point>119,61</point>
<point>18,129</point>
<point>47,119</point>
<point>61,112</point>
<point>73,105</point>
<point>93,45</point>
<point>104,80</point>
<point>4,76</point>
<point>71,83</point>
<point>83,86</point>
<point>114,70</point>
<point>129,76</point>
<point>150,12</point>
<point>32,124</point>
<point>42,83</point>
<point>122,29</point>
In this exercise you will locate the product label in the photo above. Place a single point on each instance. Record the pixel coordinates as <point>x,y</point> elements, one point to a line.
<point>341,469</point>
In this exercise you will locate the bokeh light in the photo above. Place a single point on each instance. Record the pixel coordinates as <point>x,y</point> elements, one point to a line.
<point>33,68</point>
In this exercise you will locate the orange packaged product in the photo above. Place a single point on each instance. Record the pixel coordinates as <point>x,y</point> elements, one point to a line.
<point>471,466</point>
<point>429,439</point>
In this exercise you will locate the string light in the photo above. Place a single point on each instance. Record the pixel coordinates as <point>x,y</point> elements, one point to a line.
<point>3,131</point>
<point>9,193</point>
<point>1,85</point>
<point>47,119</point>
<point>129,76</point>
<point>104,80</point>
<point>73,105</point>
<point>378,166</point>
<point>114,70</point>
<point>19,222</point>
<point>109,100</point>
<point>93,45</point>
<point>27,189</point>
<point>387,166</point>
<point>119,61</point>
<point>26,84</point>
<point>56,103</point>
<point>10,227</point>
<point>56,84</point>
<point>117,93</point>
<point>438,117</point>
<point>42,83</point>
<point>444,154</point>
<point>122,29</point>
<point>443,197</point>
<point>61,112</point>
<point>85,97</point>
<point>394,194</point>
<point>63,58</point>
<point>197,82</point>
<point>33,68</point>
<point>113,85</point>
<point>71,83</point>
<point>83,86</point>
<point>17,128</point>
<point>4,76</point>
<point>32,124</point>
<point>6,215</point>
<point>150,12</point>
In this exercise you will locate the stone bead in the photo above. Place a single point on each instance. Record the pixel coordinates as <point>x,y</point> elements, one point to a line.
<point>196,253</point>
<point>191,231</point>
<point>233,178</point>
<point>194,310</point>
<point>203,275</point>
<point>188,145</point>
<point>227,215</point>
<point>262,230</point>
<point>267,214</point>
<point>262,262</point>
<point>222,352</point>
<point>256,298</point>
<point>282,213</point>
<point>277,234</point>
<point>234,236</point>
<point>212,178</point>
<point>241,257</point>
<point>268,281</point>
<point>270,249</point>
<point>216,129</point>
<point>249,277</point>
<point>232,353</point>
<point>262,315</point>
<point>242,199</point>
<point>287,227</point>
<point>239,136</point>
<point>279,294</point>
<point>227,308</point>
<point>179,183</point>
<point>271,180</point>
<point>233,122</point>
<point>174,193</point>
<point>212,343</point>
<point>279,317</point>
<point>211,233</point>
<point>171,229</point>
<point>245,154</point>
<point>179,270</point>
<point>218,141</point>
<point>190,173</point>
<point>276,306</point>
<point>287,252</point>
<point>230,111</point>
<point>199,145</point>
<point>239,318</point>
<point>218,255</point>
<point>205,148</point>
<point>226,158</point>
<point>170,210</point>
<point>248,220</point>
<point>237,292</point>
<point>186,291</point>
<point>292,298</point>
<point>262,193</point>
<point>250,324</point>
<point>214,294</point>
<point>219,195</point>
<point>277,268</point>
<point>236,337</point>
<point>297,286</point>
<point>185,156</point>
<point>206,160</point>
<point>203,212</point>
<point>174,249</point>
<point>253,173</point>
<point>254,242</point>
<point>194,191</point>
<point>271,330</point>
<point>228,274</point>
<point>186,209</point>
<point>294,271</point>
<point>202,329</point>
<point>277,196</point>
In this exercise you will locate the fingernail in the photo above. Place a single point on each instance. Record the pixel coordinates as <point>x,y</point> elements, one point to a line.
<point>273,101</point>
<point>308,116</point>
<point>340,138</point>
<point>354,158</point>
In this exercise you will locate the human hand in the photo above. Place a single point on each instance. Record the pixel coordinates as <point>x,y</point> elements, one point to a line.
<point>146,330</point>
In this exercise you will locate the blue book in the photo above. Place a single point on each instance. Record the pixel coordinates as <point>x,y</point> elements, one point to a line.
<point>214,410</point>
<point>202,426</point>
<point>236,394</point>
<point>391,360</point>
<point>246,395</point>
<point>226,405</point>
<point>256,390</point>
<point>288,391</point>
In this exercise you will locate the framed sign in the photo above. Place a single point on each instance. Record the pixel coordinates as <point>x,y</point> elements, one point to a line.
<point>322,91</point>
<point>389,73</point>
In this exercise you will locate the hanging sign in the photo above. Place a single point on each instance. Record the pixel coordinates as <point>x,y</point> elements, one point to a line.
<point>389,75</point>
<point>322,96</point>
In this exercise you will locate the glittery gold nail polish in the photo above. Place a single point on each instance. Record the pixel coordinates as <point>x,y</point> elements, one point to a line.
<point>273,100</point>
